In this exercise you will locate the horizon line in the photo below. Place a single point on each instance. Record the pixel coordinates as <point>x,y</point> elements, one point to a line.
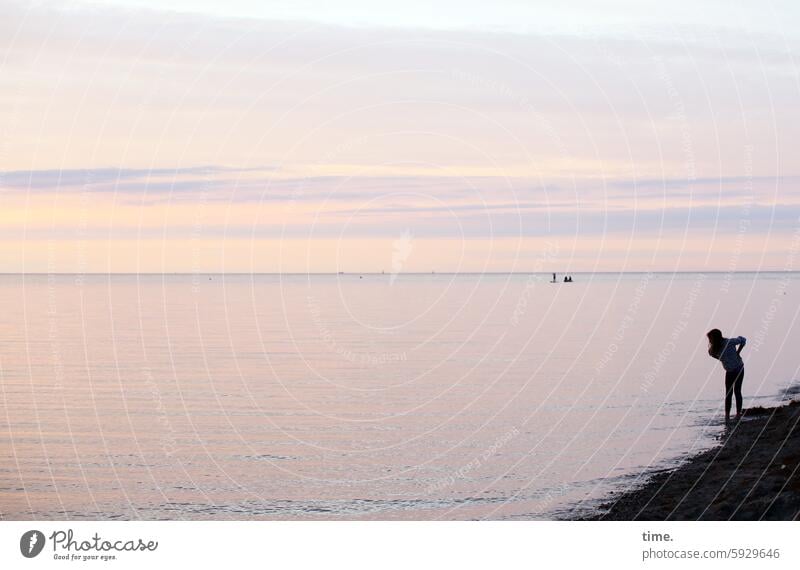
<point>384,273</point>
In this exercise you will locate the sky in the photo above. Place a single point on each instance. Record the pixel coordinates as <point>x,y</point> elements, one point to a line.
<point>307,136</point>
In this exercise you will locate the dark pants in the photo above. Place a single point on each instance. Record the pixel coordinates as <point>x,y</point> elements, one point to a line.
<point>733,385</point>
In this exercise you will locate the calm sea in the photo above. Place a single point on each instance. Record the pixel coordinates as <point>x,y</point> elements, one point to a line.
<point>374,396</point>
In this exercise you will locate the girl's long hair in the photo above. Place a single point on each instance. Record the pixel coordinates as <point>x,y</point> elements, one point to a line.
<point>715,342</point>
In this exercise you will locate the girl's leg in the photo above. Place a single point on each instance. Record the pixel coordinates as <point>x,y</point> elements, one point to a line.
<point>737,390</point>
<point>730,379</point>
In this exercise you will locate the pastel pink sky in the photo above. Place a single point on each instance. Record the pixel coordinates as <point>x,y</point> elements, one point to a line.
<point>242,136</point>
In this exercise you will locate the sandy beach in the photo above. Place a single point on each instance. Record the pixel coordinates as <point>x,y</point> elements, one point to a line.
<point>753,474</point>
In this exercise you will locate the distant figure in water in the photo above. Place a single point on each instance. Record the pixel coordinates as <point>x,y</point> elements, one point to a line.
<point>727,351</point>
<point>554,278</point>
<point>568,279</point>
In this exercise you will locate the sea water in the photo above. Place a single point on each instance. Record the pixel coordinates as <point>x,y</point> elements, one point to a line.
<point>352,396</point>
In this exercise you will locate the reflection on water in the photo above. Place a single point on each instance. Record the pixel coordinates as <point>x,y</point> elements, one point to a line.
<point>407,397</point>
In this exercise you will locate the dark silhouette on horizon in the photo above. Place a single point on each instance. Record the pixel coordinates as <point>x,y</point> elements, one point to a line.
<point>728,352</point>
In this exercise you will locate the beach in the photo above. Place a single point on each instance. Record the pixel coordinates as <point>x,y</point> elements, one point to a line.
<point>753,474</point>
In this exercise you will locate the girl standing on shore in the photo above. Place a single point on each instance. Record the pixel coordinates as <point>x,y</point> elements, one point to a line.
<point>727,351</point>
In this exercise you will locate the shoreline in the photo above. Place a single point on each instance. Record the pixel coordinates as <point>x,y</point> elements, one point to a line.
<point>752,474</point>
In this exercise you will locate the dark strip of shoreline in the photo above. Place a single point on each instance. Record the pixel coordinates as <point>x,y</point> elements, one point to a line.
<point>754,474</point>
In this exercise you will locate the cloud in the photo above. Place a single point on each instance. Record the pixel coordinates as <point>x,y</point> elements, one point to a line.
<point>672,183</point>
<point>88,178</point>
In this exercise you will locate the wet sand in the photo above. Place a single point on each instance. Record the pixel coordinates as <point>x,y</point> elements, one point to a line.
<point>754,474</point>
